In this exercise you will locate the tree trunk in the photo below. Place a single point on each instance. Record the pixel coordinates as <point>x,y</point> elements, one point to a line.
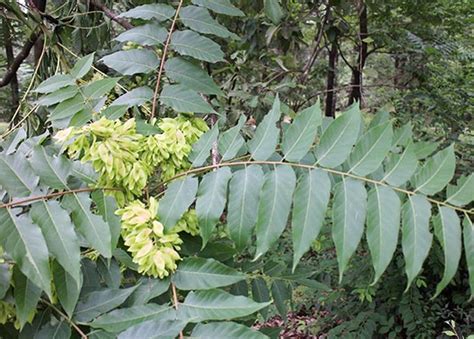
<point>356,82</point>
<point>40,5</point>
<point>10,60</point>
<point>331,81</point>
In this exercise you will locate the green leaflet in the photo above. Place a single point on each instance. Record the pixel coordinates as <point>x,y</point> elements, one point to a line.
<point>59,330</point>
<point>281,293</point>
<point>200,20</point>
<point>447,229</point>
<point>424,149</point>
<point>231,141</point>
<point>461,194</point>
<point>337,140</point>
<point>106,206</point>
<point>17,177</point>
<point>274,207</point>
<point>204,274</point>
<point>309,209</point>
<point>160,12</point>
<point>210,201</point>
<point>68,108</point>
<point>148,289</point>
<point>82,66</point>
<point>183,99</point>
<point>54,83</point>
<point>120,319</point>
<point>244,190</point>
<point>24,242</point>
<point>114,112</point>
<point>349,209</point>
<point>416,236</point>
<point>402,136</point>
<point>177,199</point>
<point>383,225</point>
<point>58,96</point>
<point>299,136</point>
<point>202,148</point>
<point>273,11</point>
<point>53,171</point>
<point>136,97</point>
<point>99,88</point>
<point>216,305</point>
<point>132,61</point>
<point>371,149</point>
<point>220,6</point>
<point>225,329</point>
<point>468,235</point>
<point>91,226</point>
<point>380,118</point>
<point>191,76</point>
<point>197,46</point>
<point>154,329</point>
<point>96,303</point>
<point>436,173</point>
<point>261,293</point>
<point>5,277</point>
<point>26,296</point>
<point>263,144</point>
<point>145,35</point>
<point>58,230</point>
<point>67,288</point>
<point>400,168</point>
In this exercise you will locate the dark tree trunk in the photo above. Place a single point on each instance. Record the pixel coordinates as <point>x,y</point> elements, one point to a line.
<point>356,83</point>
<point>331,81</point>
<point>39,5</point>
<point>10,60</point>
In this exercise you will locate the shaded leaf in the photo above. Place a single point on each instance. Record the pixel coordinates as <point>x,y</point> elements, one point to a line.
<point>400,168</point>
<point>177,199</point>
<point>17,176</point>
<point>447,229</point>
<point>468,236</point>
<point>244,190</point>
<point>197,46</point>
<point>183,99</point>
<point>210,201</point>
<point>274,208</point>
<point>190,76</point>
<point>136,97</point>
<point>461,194</point>
<point>349,209</point>
<point>58,96</point>
<point>106,206</point>
<point>26,296</point>
<point>53,171</point>
<point>132,61</point>
<point>24,242</point>
<point>299,136</point>
<point>67,288</point>
<point>225,329</point>
<point>199,20</point>
<point>154,329</point>
<point>383,225</point>
<point>160,12</point>
<point>436,173</point>
<point>204,274</point>
<point>59,330</point>
<point>309,209</point>
<point>416,236</point>
<point>66,109</point>
<point>220,6</point>
<point>231,141</point>
<point>216,305</point>
<point>273,11</point>
<point>148,288</point>
<point>145,35</point>
<point>202,148</point>
<point>337,140</point>
<point>82,66</point>
<point>99,88</point>
<point>54,83</point>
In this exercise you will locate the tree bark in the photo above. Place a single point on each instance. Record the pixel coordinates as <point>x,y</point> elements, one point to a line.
<point>40,6</point>
<point>330,110</point>
<point>357,77</point>
<point>15,97</point>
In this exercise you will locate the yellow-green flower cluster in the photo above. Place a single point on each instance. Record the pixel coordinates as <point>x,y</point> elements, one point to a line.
<point>125,159</point>
<point>153,249</point>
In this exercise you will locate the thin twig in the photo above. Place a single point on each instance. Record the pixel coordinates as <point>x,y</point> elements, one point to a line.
<point>175,304</point>
<point>72,323</point>
<point>163,59</point>
<point>22,202</point>
<point>108,12</point>
<point>333,171</point>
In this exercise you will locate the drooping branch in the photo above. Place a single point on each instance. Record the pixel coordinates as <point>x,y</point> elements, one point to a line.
<point>163,60</point>
<point>25,51</point>
<point>109,13</point>
<point>204,169</point>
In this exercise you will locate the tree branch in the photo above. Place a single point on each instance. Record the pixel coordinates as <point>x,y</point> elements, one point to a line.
<point>109,13</point>
<point>25,51</point>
